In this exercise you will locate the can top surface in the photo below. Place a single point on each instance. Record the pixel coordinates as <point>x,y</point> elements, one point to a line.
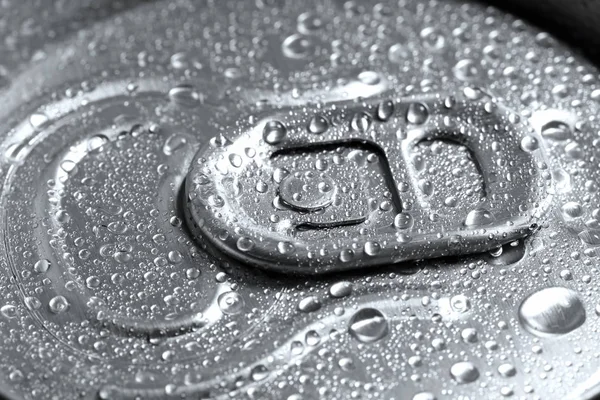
<point>295,200</point>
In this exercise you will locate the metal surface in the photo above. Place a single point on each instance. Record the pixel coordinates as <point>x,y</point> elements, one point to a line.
<point>272,180</point>
<point>108,111</point>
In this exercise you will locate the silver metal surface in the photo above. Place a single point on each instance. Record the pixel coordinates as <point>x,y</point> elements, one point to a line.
<point>133,133</point>
<point>254,193</point>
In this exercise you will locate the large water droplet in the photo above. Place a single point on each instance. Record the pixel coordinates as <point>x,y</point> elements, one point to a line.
<point>464,372</point>
<point>417,114</point>
<point>403,221</point>
<point>173,143</point>
<point>529,143</point>
<point>318,124</point>
<point>41,266</point>
<point>369,77</point>
<point>58,304</point>
<point>245,244</point>
<point>424,396</point>
<point>507,370</point>
<point>361,122</point>
<point>309,23</point>
<point>231,303</point>
<point>571,210</point>
<point>309,304</point>
<point>590,237</point>
<point>385,110</point>
<point>552,311</point>
<point>8,311</point>
<point>259,373</point>
<point>340,289</point>
<point>479,217</point>
<point>556,130</point>
<point>274,132</point>
<point>368,325</point>
<point>507,254</point>
<point>372,248</point>
<point>426,187</point>
<point>38,120</point>
<point>433,39</point>
<point>298,46</point>
<point>185,96</point>
<point>466,70</point>
<point>398,53</point>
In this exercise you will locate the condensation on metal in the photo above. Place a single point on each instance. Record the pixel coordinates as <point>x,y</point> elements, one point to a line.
<point>160,159</point>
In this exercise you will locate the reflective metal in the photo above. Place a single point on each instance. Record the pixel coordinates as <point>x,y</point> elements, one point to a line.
<point>283,195</point>
<point>123,124</point>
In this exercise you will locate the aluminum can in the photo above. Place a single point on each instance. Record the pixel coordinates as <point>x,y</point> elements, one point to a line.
<point>296,200</point>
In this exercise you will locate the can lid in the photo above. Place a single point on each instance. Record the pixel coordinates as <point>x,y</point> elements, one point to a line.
<point>290,186</point>
<point>160,159</point>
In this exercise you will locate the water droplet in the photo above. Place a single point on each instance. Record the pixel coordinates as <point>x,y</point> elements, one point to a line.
<point>182,61</point>
<point>309,304</point>
<point>372,248</point>
<point>571,210</point>
<point>340,289</point>
<point>560,91</point>
<point>41,266</point>
<point>507,370</point>
<point>69,167</point>
<point>8,311</point>
<point>574,151</point>
<point>426,187</point>
<point>185,96</point>
<point>231,303</point>
<point>318,124</point>
<point>274,132</point>
<point>432,39</point>
<point>33,303</point>
<point>398,53</point>
<point>312,338</point>
<point>479,217</point>
<point>424,396</point>
<point>235,160</point>
<point>259,373</point>
<point>309,23</point>
<point>307,190</point>
<point>403,221</point>
<point>552,311</point>
<point>92,282</point>
<point>464,372</point>
<point>562,181</point>
<point>466,70</point>
<point>385,110</point>
<point>95,143</point>
<point>590,237</point>
<point>460,303</point>
<point>174,143</point>
<point>368,325</point>
<point>346,255</point>
<point>346,364</point>
<point>298,46</point>
<point>361,122</point>
<point>469,335</point>
<point>417,114</point>
<point>58,304</point>
<point>529,143</point>
<point>556,130</point>
<point>38,120</point>
<point>245,244</point>
<point>507,254</point>
<point>285,247</point>
<point>369,77</point>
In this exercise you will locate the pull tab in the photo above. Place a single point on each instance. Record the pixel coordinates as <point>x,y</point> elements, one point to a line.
<point>292,192</point>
